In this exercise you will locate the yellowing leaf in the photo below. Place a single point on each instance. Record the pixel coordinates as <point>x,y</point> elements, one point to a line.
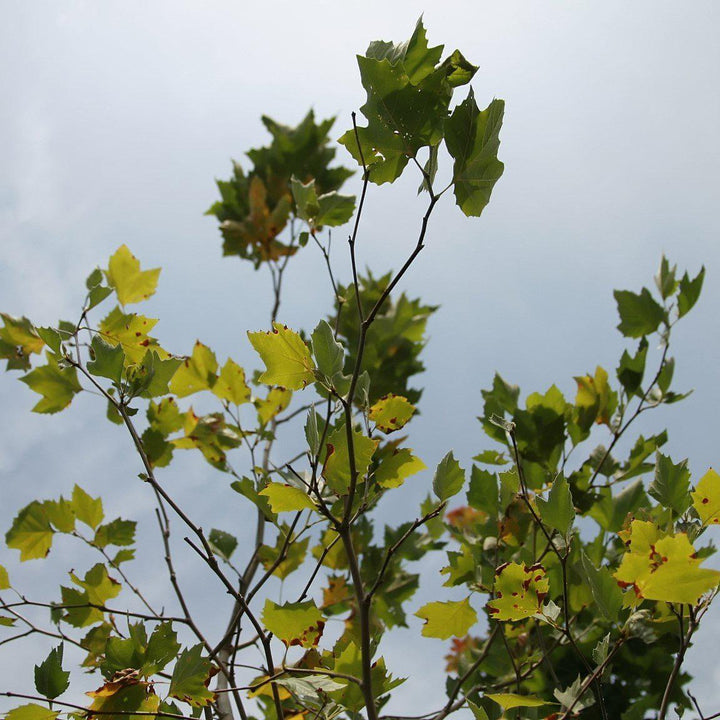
<point>276,401</point>
<point>58,385</point>
<point>131,331</point>
<point>286,357</point>
<point>595,400</point>
<point>98,585</point>
<point>263,686</point>
<point>131,284</point>
<point>122,700</point>
<point>4,579</point>
<point>31,533</point>
<point>18,340</point>
<point>31,711</point>
<point>508,701</point>
<point>337,462</point>
<point>294,623</point>
<point>706,498</point>
<point>196,373</point>
<point>190,677</point>
<point>443,619</point>
<point>395,468</point>
<point>231,385</point>
<point>519,591</point>
<point>87,509</point>
<point>663,567</point>
<point>391,413</point>
<point>286,498</point>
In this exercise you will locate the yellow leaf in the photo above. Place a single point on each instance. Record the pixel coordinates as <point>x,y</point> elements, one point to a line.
<point>131,284</point>
<point>519,591</point>
<point>337,462</point>
<point>286,357</point>
<point>286,498</point>
<point>443,619</point>
<point>276,401</point>
<point>706,498</point>
<point>391,413</point>
<point>508,701</point>
<point>131,331</point>
<point>196,373</point>
<point>231,385</point>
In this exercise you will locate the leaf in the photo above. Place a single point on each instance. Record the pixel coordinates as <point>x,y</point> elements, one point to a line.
<point>472,137</point>
<point>87,509</point>
<point>445,619</point>
<point>4,579</point>
<point>30,533</point>
<point>605,591</point>
<point>570,697</point>
<point>306,199</point>
<point>223,543</point>
<point>278,398</point>
<point>671,484</point>
<point>478,712</point>
<point>57,385</point>
<point>507,701</point>
<point>689,292</point>
<point>391,412</point>
<point>231,384</point>
<point>165,416</point>
<point>394,469</point>
<point>109,360</point>
<point>336,469</point>
<point>131,331</point>
<point>286,357</point>
<point>600,651</point>
<point>706,498</point>
<point>449,477</point>
<point>31,711</point>
<point>98,585</point>
<point>663,567</point>
<point>162,649</point>
<point>121,700</point>
<point>18,340</point>
<point>519,591</point>
<point>639,314</point>
<point>150,378</point>
<point>294,623</point>
<point>558,511</point>
<point>334,209</point>
<point>118,532</point>
<point>190,676</point>
<point>131,284</point>
<point>483,491</point>
<point>328,352</point>
<point>50,679</point>
<point>665,279</point>
<point>631,370</point>
<point>286,498</point>
<point>611,511</point>
<point>196,373</point>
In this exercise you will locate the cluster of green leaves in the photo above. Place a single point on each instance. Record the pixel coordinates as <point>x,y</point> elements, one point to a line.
<point>577,581</point>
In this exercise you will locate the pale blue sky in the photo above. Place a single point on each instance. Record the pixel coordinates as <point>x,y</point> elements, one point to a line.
<point>117,116</point>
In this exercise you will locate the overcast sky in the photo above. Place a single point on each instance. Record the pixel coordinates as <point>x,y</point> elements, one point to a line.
<point>117,116</point>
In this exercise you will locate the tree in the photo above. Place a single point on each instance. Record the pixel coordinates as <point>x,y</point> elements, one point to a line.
<point>579,585</point>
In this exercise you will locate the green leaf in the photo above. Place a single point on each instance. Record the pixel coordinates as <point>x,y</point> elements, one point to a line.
<point>31,711</point>
<point>639,314</point>
<point>519,591</point>
<point>162,649</point>
<point>18,340</point>
<point>57,385</point>
<point>190,675</point>
<point>312,434</point>
<point>294,623</point>
<point>665,279</point>
<point>478,712</point>
<point>328,352</point>
<point>482,493</point>
<point>507,701</point>
<point>87,509</point>
<point>604,588</point>
<point>472,137</point>
<point>689,292</point>
<point>631,370</point>
<point>51,338</point>
<point>558,511</point>
<point>446,619</point>
<point>31,533</point>
<point>671,485</point>
<point>231,384</point>
<point>50,679</point>
<point>458,70</point>
<point>286,498</point>
<point>222,543</point>
<point>196,373</point>
<point>449,477</point>
<point>98,585</point>
<point>611,511</point>
<point>151,377</point>
<point>60,514</point>
<point>122,702</point>
<point>334,209</point>
<point>286,357</point>
<point>118,532</point>
<point>131,284</point>
<point>4,579</point>
<point>109,360</point>
<point>336,469</point>
<point>570,697</point>
<point>165,416</point>
<point>306,199</point>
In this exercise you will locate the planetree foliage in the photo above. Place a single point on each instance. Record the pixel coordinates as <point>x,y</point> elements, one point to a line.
<point>575,570</point>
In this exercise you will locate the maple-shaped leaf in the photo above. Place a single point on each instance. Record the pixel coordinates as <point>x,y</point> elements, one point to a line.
<point>664,567</point>
<point>706,498</point>
<point>231,384</point>
<point>391,412</point>
<point>394,468</point>
<point>293,554</point>
<point>31,532</point>
<point>18,340</point>
<point>98,585</point>
<point>278,398</point>
<point>472,137</point>
<point>131,331</point>
<point>299,623</point>
<point>445,619</point>
<point>87,509</point>
<point>50,678</point>
<point>32,711</point>
<point>211,435</point>
<point>131,284</point>
<point>123,696</point>
<point>519,591</point>
<point>191,676</point>
<point>165,416</point>
<point>286,498</point>
<point>286,356</point>
<point>58,385</point>
<point>196,373</point>
<point>336,469</point>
